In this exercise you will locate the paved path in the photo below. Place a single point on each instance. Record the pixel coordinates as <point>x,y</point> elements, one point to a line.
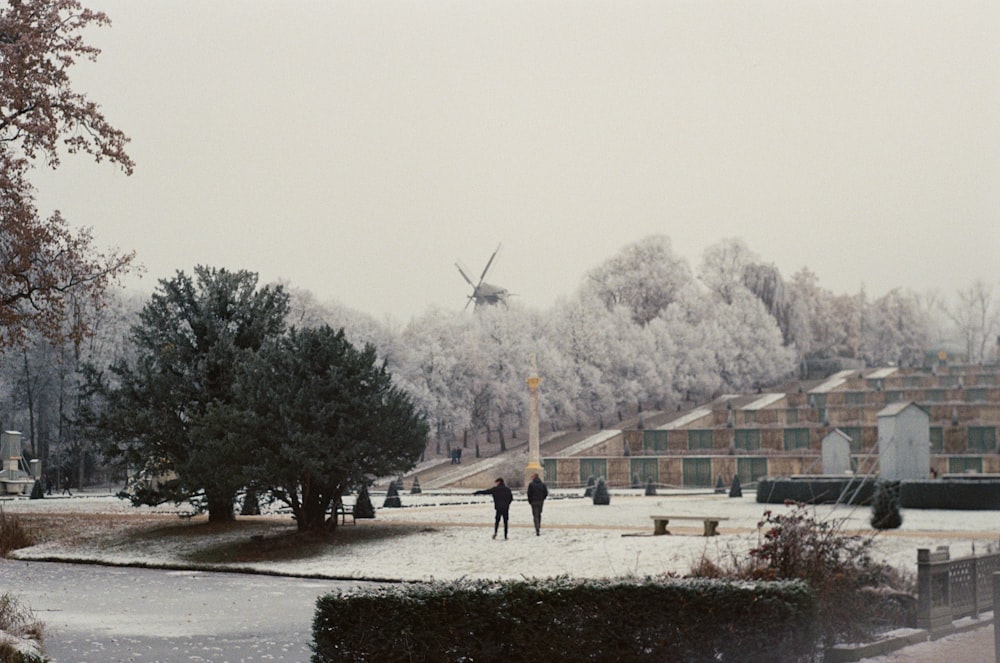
<point>98,614</point>
<point>975,646</point>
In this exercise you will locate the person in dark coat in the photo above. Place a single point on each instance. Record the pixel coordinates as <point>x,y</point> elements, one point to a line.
<point>537,492</point>
<point>502,497</point>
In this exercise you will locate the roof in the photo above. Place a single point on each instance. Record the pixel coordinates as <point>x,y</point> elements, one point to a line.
<point>763,402</point>
<point>896,408</point>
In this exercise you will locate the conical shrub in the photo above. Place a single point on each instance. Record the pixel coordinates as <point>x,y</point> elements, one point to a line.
<point>363,507</point>
<point>601,494</point>
<point>392,497</point>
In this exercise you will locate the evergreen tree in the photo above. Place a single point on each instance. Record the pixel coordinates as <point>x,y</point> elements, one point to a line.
<point>735,490</point>
<point>650,487</point>
<point>589,491</point>
<point>415,489</point>
<point>325,416</point>
<point>172,412</point>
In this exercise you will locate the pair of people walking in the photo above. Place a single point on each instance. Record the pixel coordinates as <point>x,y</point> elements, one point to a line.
<point>502,498</point>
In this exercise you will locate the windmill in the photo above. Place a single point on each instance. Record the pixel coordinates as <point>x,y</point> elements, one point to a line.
<point>484,293</point>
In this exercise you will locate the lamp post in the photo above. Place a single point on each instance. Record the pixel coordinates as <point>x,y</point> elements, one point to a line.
<point>534,453</point>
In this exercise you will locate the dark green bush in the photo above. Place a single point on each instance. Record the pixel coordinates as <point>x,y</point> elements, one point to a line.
<point>653,619</point>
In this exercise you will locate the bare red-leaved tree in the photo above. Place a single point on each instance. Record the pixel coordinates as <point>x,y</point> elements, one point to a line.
<point>47,270</point>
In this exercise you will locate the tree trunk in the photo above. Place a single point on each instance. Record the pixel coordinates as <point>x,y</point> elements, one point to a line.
<point>220,507</point>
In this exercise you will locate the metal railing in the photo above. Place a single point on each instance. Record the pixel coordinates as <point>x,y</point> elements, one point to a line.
<point>950,589</point>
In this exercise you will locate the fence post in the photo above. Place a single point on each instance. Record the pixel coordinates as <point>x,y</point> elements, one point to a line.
<point>996,615</point>
<point>933,590</point>
<point>975,584</point>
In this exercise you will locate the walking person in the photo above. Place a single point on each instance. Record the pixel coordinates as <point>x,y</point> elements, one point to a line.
<point>537,492</point>
<point>502,497</point>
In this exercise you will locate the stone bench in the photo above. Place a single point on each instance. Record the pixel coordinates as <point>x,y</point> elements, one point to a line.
<point>711,523</point>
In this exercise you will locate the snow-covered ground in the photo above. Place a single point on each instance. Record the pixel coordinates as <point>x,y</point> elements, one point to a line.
<point>448,535</point>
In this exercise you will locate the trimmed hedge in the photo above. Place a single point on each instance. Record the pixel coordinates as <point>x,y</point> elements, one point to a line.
<point>818,490</point>
<point>651,619</point>
<point>964,493</point>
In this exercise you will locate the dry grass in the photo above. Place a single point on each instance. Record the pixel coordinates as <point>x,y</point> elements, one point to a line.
<point>14,534</point>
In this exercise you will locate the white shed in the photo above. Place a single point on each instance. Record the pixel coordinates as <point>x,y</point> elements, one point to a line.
<point>904,442</point>
<point>837,452</point>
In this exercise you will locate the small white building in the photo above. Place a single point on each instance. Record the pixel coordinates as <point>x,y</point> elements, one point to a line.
<point>837,453</point>
<point>904,442</point>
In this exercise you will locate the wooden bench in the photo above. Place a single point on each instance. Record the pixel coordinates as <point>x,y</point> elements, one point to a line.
<point>344,511</point>
<point>711,523</point>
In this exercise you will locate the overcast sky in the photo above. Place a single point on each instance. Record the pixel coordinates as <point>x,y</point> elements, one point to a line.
<point>358,149</point>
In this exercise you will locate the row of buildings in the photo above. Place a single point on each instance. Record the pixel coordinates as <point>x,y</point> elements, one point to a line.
<point>950,414</point>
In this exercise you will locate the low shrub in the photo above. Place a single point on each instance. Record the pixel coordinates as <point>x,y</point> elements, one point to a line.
<point>838,567</point>
<point>652,619</point>
<point>13,534</point>
<point>24,641</point>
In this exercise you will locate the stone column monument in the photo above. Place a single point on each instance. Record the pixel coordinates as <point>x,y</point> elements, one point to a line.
<point>534,453</point>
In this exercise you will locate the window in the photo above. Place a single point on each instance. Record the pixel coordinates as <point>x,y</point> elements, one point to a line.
<point>975,394</point>
<point>982,438</point>
<point>935,396</point>
<point>698,473</point>
<point>960,465</point>
<point>796,438</point>
<point>749,416</point>
<point>646,469</point>
<point>592,467</point>
<point>854,398</point>
<point>747,438</point>
<point>894,396</point>
<point>700,439</point>
<point>750,470</point>
<point>937,440</point>
<point>549,466</point>
<point>654,440</point>
<point>791,416</point>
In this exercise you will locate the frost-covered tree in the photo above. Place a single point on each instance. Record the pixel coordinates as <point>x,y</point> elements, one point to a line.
<point>751,351</point>
<point>46,268</point>
<point>644,277</point>
<point>433,372</point>
<point>723,266</point>
<point>896,331</point>
<point>976,317</point>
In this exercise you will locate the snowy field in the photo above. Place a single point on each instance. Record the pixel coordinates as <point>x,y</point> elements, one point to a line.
<point>448,535</point>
